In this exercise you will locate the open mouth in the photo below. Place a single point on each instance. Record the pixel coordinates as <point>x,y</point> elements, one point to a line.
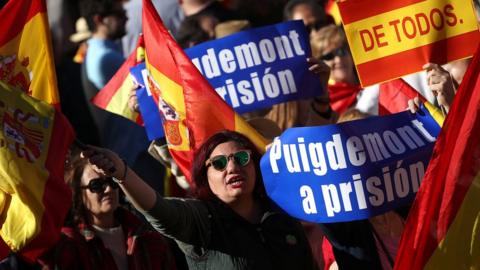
<point>107,199</point>
<point>235,181</point>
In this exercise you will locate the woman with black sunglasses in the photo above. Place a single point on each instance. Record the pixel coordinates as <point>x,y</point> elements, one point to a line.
<point>231,224</point>
<point>99,233</point>
<point>329,44</point>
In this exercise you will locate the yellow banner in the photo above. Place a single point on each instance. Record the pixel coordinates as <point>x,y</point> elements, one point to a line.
<point>408,28</point>
<point>25,131</point>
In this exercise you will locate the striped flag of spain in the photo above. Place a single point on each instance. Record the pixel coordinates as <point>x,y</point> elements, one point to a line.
<point>26,59</point>
<point>192,110</point>
<point>114,96</point>
<point>34,136</point>
<point>442,229</point>
<point>34,199</point>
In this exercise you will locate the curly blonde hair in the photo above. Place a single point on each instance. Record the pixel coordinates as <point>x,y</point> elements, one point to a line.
<point>328,36</point>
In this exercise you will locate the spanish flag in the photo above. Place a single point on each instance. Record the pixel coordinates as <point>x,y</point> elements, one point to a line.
<point>191,108</point>
<point>26,59</point>
<point>34,199</point>
<point>443,227</point>
<point>114,96</point>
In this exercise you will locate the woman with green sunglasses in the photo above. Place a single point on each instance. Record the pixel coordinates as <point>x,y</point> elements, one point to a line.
<point>231,223</point>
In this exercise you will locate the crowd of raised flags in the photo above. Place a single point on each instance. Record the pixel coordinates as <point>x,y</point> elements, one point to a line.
<point>35,136</point>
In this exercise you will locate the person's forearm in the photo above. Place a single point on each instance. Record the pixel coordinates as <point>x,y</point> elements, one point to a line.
<point>138,192</point>
<point>321,114</point>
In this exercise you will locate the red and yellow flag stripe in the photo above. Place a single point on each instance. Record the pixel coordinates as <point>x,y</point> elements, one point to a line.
<point>442,230</point>
<point>33,196</point>
<point>26,59</point>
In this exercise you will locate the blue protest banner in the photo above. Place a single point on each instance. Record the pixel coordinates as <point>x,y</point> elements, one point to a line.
<point>148,108</point>
<point>260,67</point>
<point>350,171</point>
<point>151,115</point>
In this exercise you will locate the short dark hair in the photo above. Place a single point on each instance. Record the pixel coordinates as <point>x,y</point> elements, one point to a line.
<point>317,9</point>
<point>191,33</point>
<point>199,170</point>
<point>90,8</point>
<point>73,177</point>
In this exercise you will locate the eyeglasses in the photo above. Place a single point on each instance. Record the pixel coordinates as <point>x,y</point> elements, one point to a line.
<point>342,51</point>
<point>220,162</point>
<point>98,185</point>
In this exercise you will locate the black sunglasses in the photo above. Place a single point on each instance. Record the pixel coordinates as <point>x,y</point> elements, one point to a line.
<point>220,162</point>
<point>98,185</point>
<point>342,51</point>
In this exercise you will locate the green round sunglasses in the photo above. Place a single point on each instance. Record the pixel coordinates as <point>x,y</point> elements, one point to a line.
<point>220,162</point>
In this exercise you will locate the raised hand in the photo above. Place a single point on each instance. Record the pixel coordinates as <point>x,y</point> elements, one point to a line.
<point>105,162</point>
<point>441,83</point>
<point>321,69</point>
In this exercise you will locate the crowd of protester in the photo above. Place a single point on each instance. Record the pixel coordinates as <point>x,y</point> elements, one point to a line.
<point>227,221</point>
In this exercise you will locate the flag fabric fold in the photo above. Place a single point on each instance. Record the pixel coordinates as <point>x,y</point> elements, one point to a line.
<point>34,136</point>
<point>26,58</point>
<point>394,96</point>
<point>191,108</point>
<point>34,198</point>
<point>442,229</point>
<point>114,96</point>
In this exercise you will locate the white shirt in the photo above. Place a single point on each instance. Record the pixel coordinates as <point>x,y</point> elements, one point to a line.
<point>114,240</point>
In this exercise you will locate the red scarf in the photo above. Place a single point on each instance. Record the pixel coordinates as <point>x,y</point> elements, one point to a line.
<point>342,96</point>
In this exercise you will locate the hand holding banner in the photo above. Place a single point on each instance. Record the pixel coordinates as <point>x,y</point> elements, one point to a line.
<point>148,108</point>
<point>352,170</point>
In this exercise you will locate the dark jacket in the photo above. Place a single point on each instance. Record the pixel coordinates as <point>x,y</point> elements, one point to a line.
<point>79,248</point>
<point>213,236</point>
<point>353,244</point>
